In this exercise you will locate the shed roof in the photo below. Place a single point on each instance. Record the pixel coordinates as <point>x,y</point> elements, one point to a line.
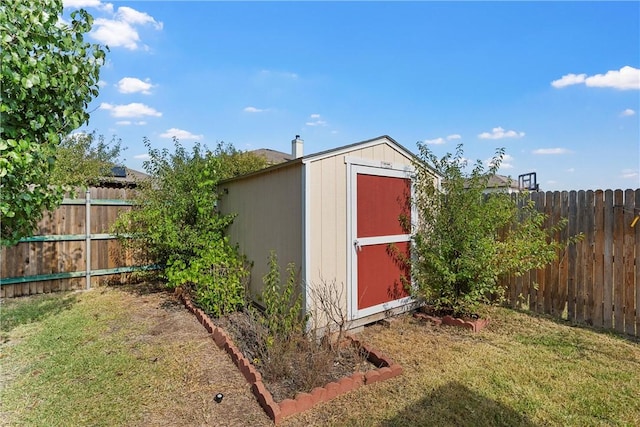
<point>327,153</point>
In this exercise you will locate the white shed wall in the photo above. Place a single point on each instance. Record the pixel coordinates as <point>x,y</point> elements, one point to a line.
<point>269,217</point>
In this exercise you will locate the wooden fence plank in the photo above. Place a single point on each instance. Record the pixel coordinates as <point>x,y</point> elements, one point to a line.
<point>563,260</point>
<point>539,198</point>
<point>607,299</point>
<point>629,267</point>
<point>580,224</point>
<point>637,263</point>
<point>572,255</point>
<point>618,258</point>
<point>598,253</point>
<point>548,270</point>
<point>588,257</point>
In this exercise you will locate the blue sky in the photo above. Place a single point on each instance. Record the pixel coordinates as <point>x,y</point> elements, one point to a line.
<point>555,83</point>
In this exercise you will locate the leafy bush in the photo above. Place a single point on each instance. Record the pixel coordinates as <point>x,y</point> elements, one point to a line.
<point>283,316</point>
<point>217,273</point>
<point>175,223</point>
<point>466,238</point>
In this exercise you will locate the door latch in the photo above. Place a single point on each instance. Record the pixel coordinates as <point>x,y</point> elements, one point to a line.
<point>356,243</point>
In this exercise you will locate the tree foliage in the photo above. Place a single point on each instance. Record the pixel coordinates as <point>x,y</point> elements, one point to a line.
<point>83,159</point>
<point>175,223</point>
<point>49,76</point>
<point>466,238</point>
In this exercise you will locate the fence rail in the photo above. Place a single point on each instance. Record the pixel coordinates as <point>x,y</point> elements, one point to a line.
<point>595,281</point>
<point>72,248</point>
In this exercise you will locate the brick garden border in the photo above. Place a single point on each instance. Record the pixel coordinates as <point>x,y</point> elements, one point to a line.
<point>385,369</point>
<point>473,325</point>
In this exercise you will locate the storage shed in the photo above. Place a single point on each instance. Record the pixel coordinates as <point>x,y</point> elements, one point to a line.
<point>336,216</point>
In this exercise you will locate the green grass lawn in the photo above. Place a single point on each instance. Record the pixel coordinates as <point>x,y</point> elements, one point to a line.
<point>66,362</point>
<point>521,370</point>
<point>78,359</point>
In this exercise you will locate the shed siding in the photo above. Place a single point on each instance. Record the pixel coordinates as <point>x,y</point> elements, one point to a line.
<point>328,216</point>
<point>269,217</point>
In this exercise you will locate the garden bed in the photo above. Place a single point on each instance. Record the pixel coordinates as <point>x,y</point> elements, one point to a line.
<point>343,379</point>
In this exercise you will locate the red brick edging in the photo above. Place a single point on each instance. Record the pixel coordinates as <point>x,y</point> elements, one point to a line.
<point>473,325</point>
<point>385,369</point>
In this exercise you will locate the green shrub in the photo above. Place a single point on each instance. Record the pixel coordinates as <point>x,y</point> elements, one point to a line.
<point>283,314</point>
<point>217,274</point>
<point>175,223</point>
<point>466,239</point>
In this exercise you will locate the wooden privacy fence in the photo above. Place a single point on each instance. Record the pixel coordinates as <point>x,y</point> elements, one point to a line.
<point>597,280</point>
<point>72,247</point>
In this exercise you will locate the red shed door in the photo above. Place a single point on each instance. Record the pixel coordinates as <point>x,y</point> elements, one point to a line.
<point>381,244</point>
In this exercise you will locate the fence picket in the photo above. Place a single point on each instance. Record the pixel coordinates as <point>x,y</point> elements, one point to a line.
<point>607,300</point>
<point>618,265</point>
<point>637,261</point>
<point>588,257</point>
<point>629,267</point>
<point>598,269</point>
<point>572,255</point>
<point>549,269</point>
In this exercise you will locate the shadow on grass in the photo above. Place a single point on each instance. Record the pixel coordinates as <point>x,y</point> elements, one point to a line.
<point>24,310</point>
<point>587,325</point>
<point>142,283</point>
<point>453,404</point>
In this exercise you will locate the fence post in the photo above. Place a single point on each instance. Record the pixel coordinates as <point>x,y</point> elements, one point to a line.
<point>87,232</point>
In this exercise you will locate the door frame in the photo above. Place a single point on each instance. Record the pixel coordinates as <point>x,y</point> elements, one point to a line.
<point>376,168</point>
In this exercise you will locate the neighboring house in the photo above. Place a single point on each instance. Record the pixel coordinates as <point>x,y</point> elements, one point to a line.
<point>273,157</point>
<point>123,177</point>
<point>501,183</point>
<point>335,215</point>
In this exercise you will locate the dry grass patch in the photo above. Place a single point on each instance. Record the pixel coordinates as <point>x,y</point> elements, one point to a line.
<point>113,357</point>
<point>521,370</point>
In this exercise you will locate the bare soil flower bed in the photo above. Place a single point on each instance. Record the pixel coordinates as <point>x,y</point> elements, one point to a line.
<point>295,366</point>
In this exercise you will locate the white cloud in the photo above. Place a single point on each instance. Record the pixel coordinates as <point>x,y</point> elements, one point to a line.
<point>129,123</point>
<point>571,170</point>
<point>440,140</point>
<point>628,112</point>
<point>281,74</point>
<point>80,4</point>
<point>132,16</point>
<point>500,133</point>
<point>180,134</point>
<point>506,163</point>
<point>115,34</point>
<point>316,121</point>
<point>626,78</point>
<point>135,109</point>
<point>629,173</point>
<point>133,85</point>
<point>253,110</point>
<point>550,151</point>
<point>102,83</point>
<point>121,31</point>
<point>568,80</point>
<point>144,156</point>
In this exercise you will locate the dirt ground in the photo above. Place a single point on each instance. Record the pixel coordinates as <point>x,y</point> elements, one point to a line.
<point>205,370</point>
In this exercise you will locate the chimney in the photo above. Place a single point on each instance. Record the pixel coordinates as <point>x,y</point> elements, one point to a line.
<point>296,147</point>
